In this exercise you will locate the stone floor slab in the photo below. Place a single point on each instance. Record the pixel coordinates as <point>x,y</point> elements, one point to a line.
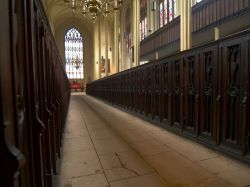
<point>110,145</point>
<point>110,161</point>
<point>80,163</point>
<point>104,146</point>
<point>77,144</point>
<point>98,180</point>
<point>117,174</point>
<point>132,161</point>
<point>150,180</point>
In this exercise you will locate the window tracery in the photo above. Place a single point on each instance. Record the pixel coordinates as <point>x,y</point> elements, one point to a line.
<point>143,20</point>
<point>74,54</point>
<point>128,33</point>
<point>168,11</point>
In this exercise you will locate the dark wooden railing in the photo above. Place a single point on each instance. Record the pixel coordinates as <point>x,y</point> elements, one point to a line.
<point>161,38</point>
<point>34,96</point>
<point>202,93</point>
<point>211,12</point>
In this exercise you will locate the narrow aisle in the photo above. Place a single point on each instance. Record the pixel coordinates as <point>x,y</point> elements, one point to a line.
<point>104,146</point>
<point>95,155</point>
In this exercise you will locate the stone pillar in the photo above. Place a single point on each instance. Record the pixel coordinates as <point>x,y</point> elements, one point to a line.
<point>106,47</point>
<point>185,11</point>
<point>99,47</point>
<point>216,33</point>
<point>116,42</point>
<point>96,45</point>
<point>136,31</point>
<point>152,16</point>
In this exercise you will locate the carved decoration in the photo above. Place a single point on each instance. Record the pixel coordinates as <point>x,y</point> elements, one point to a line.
<point>157,89</point>
<point>233,60</point>
<point>221,78</point>
<point>165,91</point>
<point>149,91</point>
<point>191,91</point>
<point>176,103</point>
<point>247,102</point>
<point>208,100</point>
<point>142,98</point>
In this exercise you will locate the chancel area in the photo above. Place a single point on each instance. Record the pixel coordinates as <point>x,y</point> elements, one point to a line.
<point>125,93</point>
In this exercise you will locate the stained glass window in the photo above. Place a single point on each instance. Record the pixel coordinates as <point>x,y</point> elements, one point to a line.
<point>161,14</point>
<point>168,11</point>
<point>175,8</point>
<point>128,34</point>
<point>165,12</point>
<point>74,54</point>
<point>143,29</point>
<point>130,43</point>
<point>143,20</point>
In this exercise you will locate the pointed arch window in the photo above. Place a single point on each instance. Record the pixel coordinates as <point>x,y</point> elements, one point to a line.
<point>143,20</point>
<point>128,33</point>
<point>74,54</point>
<point>161,14</point>
<point>168,11</point>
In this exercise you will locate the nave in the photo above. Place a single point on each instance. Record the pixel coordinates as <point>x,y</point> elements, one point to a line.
<point>104,146</point>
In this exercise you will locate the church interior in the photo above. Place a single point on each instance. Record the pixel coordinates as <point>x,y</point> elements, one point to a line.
<point>125,93</point>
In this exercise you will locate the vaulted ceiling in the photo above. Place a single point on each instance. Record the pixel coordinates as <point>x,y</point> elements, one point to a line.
<point>60,13</point>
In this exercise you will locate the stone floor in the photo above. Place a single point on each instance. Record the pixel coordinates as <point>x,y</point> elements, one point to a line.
<point>106,147</point>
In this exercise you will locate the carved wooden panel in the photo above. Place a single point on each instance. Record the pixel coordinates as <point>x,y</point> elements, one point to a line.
<point>149,91</point>
<point>11,158</point>
<point>135,90</point>
<point>246,102</point>
<point>232,130</point>
<point>191,96</point>
<point>143,91</point>
<point>208,88</point>
<point>32,68</point>
<point>156,91</point>
<point>127,90</point>
<point>233,94</point>
<point>176,92</point>
<point>165,90</point>
<point>129,84</point>
<point>209,76</point>
<point>123,85</point>
<point>202,93</point>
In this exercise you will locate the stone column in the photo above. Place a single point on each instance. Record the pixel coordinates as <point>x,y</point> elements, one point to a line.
<point>96,46</point>
<point>185,12</point>
<point>136,31</point>
<point>99,46</point>
<point>116,45</point>
<point>106,47</point>
<point>152,15</point>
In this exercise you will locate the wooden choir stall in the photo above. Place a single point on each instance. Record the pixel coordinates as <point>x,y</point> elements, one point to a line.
<point>34,96</point>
